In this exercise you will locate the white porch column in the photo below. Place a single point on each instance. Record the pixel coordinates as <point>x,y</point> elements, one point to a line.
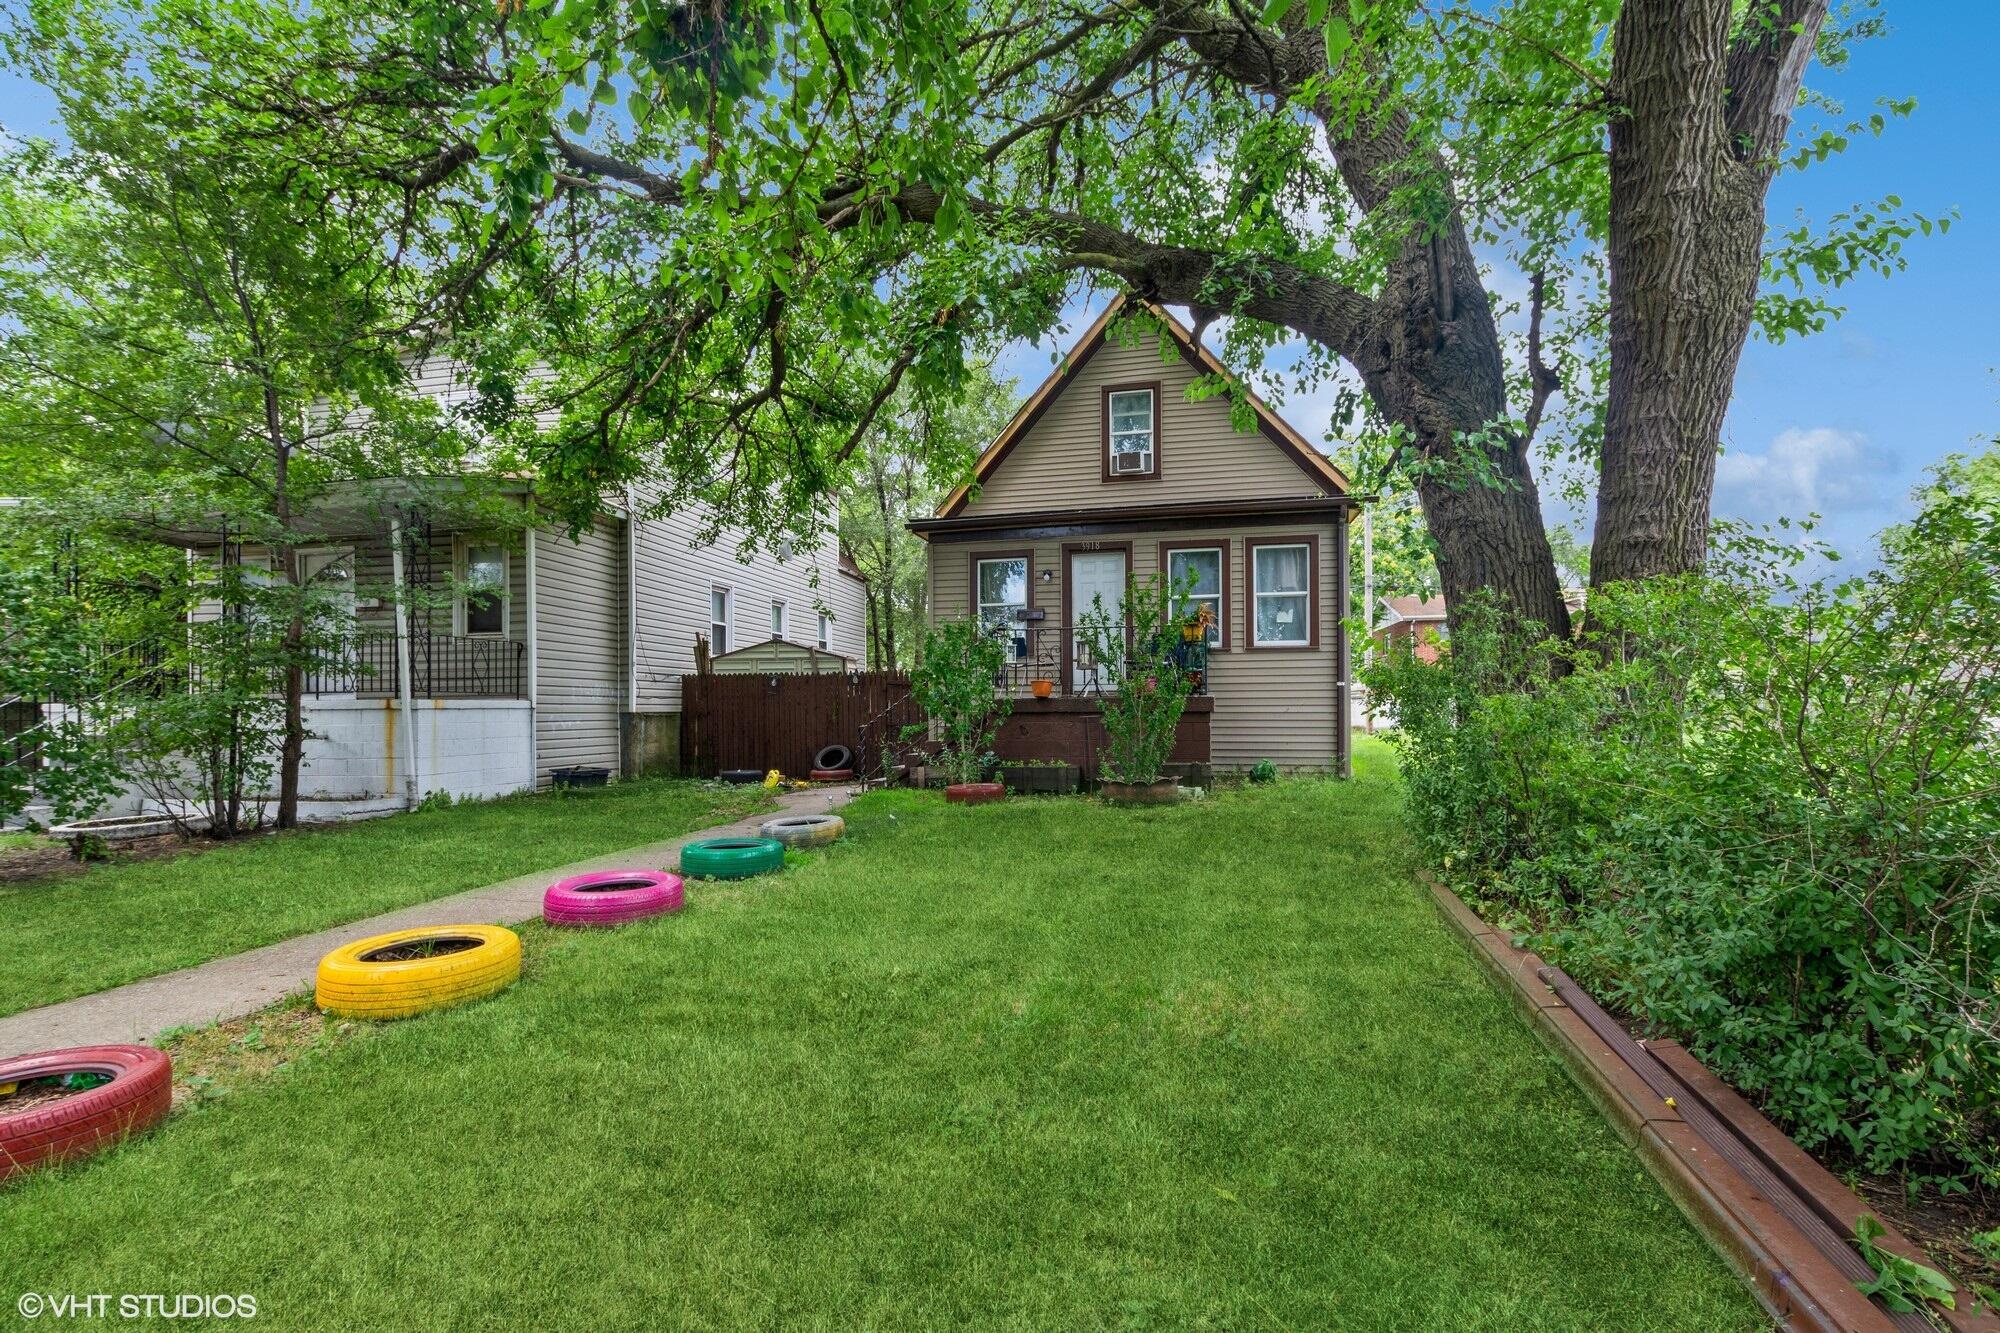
<point>412,790</point>
<point>534,648</point>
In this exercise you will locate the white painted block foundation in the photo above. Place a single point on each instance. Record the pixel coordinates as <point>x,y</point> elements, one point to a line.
<point>471,748</point>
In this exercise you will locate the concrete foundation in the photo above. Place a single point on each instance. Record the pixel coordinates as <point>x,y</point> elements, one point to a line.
<point>650,744</point>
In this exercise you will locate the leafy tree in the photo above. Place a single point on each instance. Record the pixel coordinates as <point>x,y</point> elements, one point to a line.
<point>1145,675</point>
<point>703,210</point>
<point>953,684</point>
<point>722,201</point>
<point>209,336</point>
<point>906,448</point>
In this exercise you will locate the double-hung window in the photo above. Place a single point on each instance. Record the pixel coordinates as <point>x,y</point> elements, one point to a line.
<point>777,620</point>
<point>483,599</point>
<point>825,630</point>
<point>718,621</point>
<point>1281,594</point>
<point>1132,432</point>
<point>1001,586</point>
<point>1195,574</point>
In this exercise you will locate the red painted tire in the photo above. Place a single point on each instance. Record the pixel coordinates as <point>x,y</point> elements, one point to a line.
<point>611,897</point>
<point>138,1096</point>
<point>832,775</point>
<point>975,793</point>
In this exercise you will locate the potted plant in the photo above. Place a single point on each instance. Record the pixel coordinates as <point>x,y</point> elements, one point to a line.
<point>1146,686</point>
<point>953,684</point>
<point>1041,688</point>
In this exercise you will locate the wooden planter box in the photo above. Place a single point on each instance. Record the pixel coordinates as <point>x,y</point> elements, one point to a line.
<point>1041,779</point>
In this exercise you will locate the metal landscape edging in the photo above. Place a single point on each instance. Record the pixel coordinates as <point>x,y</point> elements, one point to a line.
<point>1797,1282</point>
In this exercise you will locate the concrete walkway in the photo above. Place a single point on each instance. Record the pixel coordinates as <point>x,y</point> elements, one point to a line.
<point>246,982</point>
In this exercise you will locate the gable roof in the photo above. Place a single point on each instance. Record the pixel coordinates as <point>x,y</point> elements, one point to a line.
<point>1316,465</point>
<point>1413,608</point>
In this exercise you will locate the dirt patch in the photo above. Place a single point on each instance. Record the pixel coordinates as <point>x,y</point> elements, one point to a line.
<point>1943,1224</point>
<point>50,858</point>
<point>213,1062</point>
<point>411,950</point>
<point>35,1093</point>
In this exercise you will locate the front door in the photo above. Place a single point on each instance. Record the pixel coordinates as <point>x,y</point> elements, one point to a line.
<point>1096,592</point>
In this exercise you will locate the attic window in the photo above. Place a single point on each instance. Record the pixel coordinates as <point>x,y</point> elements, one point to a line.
<point>1131,431</point>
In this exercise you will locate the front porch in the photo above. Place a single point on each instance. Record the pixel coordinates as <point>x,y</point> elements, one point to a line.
<point>1056,654</point>
<point>1070,728</point>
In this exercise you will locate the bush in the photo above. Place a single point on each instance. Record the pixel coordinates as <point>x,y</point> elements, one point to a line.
<point>1145,677</point>
<point>954,684</point>
<point>1759,814</point>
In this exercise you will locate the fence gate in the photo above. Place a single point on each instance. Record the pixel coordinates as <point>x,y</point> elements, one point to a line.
<point>780,721</point>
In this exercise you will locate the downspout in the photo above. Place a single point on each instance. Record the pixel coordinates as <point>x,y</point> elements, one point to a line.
<point>1343,731</point>
<point>404,694</point>
<point>534,649</point>
<point>1368,602</point>
<point>631,605</point>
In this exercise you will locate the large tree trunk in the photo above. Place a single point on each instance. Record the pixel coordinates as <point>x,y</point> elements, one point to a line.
<point>1428,347</point>
<point>1692,158</point>
<point>1440,375</point>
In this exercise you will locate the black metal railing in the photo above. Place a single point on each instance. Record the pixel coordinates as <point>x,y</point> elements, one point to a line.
<point>442,666</point>
<point>1064,658</point>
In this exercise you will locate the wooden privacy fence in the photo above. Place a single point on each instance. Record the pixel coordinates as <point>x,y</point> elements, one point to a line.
<point>782,721</point>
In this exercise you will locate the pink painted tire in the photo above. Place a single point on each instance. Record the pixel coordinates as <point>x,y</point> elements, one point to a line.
<point>611,897</point>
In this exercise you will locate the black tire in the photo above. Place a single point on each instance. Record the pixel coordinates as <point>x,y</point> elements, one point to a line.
<point>741,775</point>
<point>834,756</point>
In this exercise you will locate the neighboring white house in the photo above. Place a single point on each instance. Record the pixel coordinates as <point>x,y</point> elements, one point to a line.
<point>572,659</point>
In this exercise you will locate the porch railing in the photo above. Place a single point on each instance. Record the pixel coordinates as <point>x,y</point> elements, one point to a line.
<point>442,666</point>
<point>1057,654</point>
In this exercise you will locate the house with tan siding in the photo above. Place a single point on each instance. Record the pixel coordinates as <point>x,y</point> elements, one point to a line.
<point>1109,473</point>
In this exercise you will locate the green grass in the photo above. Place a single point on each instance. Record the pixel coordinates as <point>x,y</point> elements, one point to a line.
<point>18,841</point>
<point>75,934</point>
<point>1039,1065</point>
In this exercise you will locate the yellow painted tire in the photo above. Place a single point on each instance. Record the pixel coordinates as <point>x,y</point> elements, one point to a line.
<point>355,983</point>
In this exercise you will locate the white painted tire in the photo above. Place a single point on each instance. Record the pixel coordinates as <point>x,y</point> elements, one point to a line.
<point>804,830</point>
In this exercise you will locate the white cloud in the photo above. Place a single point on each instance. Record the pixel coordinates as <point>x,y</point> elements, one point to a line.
<point>1817,470</point>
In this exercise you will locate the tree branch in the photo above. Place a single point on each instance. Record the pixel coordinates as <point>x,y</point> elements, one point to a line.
<point>1767,66</point>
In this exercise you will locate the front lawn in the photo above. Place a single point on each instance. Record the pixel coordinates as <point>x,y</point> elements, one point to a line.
<point>113,924</point>
<point>1038,1065</point>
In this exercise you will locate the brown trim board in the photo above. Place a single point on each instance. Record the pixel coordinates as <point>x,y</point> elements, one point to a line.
<point>1755,1217</point>
<point>1223,544</point>
<point>1308,540</point>
<point>1104,431</point>
<point>1274,428</point>
<point>1050,524</point>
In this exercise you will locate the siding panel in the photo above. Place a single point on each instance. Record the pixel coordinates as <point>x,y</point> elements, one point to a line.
<point>580,620</point>
<point>1269,704</point>
<point>1058,464</point>
<point>676,572</point>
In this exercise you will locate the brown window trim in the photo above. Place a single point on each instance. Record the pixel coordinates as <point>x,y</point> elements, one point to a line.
<point>1221,544</point>
<point>1104,421</point>
<point>1310,541</point>
<point>972,572</point>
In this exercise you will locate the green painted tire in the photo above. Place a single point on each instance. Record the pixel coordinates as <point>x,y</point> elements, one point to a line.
<point>732,858</point>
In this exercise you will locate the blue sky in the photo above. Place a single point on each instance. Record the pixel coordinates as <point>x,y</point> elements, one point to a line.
<point>1844,423</point>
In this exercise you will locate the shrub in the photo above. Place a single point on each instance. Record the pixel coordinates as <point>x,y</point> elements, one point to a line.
<point>954,685</point>
<point>1146,675</point>
<point>1760,814</point>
